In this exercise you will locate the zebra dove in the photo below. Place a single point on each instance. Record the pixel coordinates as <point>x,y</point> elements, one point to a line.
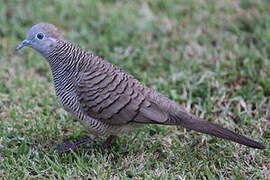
<point>105,99</point>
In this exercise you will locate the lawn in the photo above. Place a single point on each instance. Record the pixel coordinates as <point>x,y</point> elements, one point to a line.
<point>212,57</point>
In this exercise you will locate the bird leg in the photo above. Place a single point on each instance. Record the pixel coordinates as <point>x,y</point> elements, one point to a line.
<point>108,142</point>
<point>104,145</point>
<point>67,146</point>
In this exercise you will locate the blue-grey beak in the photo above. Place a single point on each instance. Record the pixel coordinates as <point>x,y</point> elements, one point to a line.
<point>23,43</point>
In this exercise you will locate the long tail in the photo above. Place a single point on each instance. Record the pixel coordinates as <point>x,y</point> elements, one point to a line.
<point>192,122</point>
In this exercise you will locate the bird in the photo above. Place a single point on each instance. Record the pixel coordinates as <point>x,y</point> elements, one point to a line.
<point>107,100</point>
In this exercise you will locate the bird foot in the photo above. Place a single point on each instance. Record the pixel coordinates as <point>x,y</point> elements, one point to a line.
<point>67,146</point>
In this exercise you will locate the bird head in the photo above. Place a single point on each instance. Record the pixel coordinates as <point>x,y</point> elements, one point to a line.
<point>41,37</point>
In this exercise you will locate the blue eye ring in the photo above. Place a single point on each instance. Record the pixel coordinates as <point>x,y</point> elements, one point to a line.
<point>40,36</point>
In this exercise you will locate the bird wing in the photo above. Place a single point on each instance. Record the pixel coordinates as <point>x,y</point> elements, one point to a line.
<point>110,94</point>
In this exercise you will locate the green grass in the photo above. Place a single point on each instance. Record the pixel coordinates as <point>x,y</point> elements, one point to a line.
<point>212,57</point>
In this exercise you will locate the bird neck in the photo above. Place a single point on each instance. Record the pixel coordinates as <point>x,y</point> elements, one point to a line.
<point>64,59</point>
<point>62,55</point>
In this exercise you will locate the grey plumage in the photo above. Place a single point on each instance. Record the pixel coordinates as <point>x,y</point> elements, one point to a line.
<point>106,99</point>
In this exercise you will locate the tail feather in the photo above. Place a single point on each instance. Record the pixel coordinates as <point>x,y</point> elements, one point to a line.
<point>192,122</point>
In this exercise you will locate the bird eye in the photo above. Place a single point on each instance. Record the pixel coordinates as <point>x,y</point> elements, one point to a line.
<point>40,36</point>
